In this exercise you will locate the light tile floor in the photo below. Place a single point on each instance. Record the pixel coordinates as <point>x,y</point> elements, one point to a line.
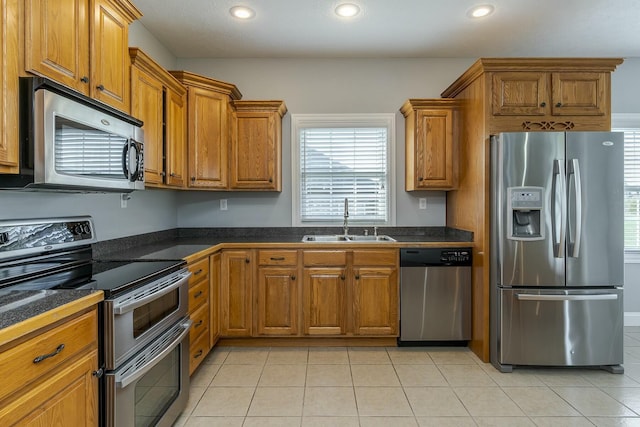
<point>398,387</point>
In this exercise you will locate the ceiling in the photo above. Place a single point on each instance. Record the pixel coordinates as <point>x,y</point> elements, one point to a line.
<point>395,28</point>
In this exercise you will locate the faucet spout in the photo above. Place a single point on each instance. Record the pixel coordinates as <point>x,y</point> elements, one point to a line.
<point>345,225</point>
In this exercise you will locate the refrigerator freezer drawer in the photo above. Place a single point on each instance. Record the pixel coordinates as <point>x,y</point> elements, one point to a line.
<point>560,328</point>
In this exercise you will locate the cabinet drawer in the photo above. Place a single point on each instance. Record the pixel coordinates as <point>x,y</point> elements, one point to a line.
<point>200,319</point>
<point>198,351</point>
<point>18,367</point>
<point>325,257</point>
<point>199,270</point>
<point>282,257</point>
<point>198,295</point>
<point>375,257</point>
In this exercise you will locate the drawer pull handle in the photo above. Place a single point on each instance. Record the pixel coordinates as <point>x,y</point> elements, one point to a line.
<point>197,272</point>
<point>198,354</point>
<point>46,356</point>
<point>197,294</point>
<point>199,323</point>
<point>277,258</point>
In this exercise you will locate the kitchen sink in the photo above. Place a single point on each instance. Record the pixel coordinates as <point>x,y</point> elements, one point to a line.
<point>347,238</point>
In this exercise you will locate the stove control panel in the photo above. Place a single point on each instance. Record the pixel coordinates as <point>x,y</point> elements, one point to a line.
<point>80,230</point>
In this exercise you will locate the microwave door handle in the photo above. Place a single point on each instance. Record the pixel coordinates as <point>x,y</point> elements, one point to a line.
<point>135,174</point>
<point>125,159</point>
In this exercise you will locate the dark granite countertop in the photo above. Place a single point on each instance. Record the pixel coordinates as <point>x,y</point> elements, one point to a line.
<point>182,243</point>
<point>18,306</point>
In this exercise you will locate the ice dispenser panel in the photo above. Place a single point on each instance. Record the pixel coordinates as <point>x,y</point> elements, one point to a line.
<point>525,213</point>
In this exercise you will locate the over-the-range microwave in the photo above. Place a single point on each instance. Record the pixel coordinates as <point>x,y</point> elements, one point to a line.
<point>69,142</point>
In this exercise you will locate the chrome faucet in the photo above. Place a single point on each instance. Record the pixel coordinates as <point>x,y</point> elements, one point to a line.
<point>345,225</point>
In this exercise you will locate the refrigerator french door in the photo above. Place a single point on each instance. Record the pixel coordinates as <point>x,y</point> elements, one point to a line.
<point>557,249</point>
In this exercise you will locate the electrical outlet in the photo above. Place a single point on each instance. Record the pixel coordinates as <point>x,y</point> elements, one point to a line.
<point>123,200</point>
<point>223,204</point>
<point>422,203</point>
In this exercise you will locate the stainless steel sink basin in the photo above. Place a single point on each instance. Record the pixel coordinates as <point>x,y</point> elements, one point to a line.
<point>347,238</point>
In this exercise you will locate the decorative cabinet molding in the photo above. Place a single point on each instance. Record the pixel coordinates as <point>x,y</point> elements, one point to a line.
<point>431,144</point>
<point>159,100</point>
<point>82,44</point>
<point>256,145</point>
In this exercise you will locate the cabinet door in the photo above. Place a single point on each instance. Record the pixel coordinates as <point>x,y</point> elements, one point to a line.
<point>434,150</point>
<point>579,94</point>
<point>147,105</point>
<point>324,301</point>
<point>255,151</point>
<point>57,41</point>
<point>208,139</point>
<point>68,398</point>
<point>109,56</point>
<point>176,139</point>
<point>214,297</point>
<point>9,87</point>
<point>520,94</point>
<point>375,305</point>
<point>235,293</point>
<point>277,297</point>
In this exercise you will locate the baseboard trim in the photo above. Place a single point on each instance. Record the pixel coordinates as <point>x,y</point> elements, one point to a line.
<point>632,319</point>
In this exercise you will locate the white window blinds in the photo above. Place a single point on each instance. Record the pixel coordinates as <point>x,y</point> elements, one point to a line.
<point>344,162</point>
<point>631,189</point>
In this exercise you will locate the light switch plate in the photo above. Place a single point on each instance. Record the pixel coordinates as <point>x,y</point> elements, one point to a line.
<point>223,204</point>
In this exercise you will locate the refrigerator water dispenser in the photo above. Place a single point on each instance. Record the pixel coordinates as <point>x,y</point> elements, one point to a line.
<point>525,211</point>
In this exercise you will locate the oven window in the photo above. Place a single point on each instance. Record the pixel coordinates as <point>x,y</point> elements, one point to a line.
<point>157,390</point>
<point>147,316</point>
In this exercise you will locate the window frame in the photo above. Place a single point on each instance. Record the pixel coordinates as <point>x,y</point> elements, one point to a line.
<point>620,122</point>
<point>301,121</point>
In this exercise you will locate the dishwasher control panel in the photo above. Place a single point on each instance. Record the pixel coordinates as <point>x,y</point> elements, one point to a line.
<point>420,257</point>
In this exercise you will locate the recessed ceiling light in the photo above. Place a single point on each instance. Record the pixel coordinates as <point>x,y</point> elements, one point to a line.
<point>347,10</point>
<point>480,11</point>
<point>242,12</point>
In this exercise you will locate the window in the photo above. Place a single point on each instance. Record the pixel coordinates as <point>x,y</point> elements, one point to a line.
<point>338,157</point>
<point>630,125</point>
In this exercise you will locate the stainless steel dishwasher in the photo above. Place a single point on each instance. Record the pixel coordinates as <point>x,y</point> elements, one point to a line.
<point>435,296</point>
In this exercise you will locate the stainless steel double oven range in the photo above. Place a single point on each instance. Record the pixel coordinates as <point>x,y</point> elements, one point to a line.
<point>144,326</point>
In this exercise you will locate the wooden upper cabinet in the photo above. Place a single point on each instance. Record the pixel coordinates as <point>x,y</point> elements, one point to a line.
<point>82,44</point>
<point>256,145</point>
<point>159,100</point>
<point>208,133</point>
<point>431,144</point>
<point>539,94</point>
<point>9,156</point>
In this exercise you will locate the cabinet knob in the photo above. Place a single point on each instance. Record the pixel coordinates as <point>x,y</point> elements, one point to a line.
<point>98,373</point>
<point>342,277</point>
<point>559,104</point>
<point>100,87</point>
<point>193,178</point>
<point>357,277</point>
<point>420,178</point>
<point>172,175</point>
<point>163,174</point>
<point>293,277</point>
<point>543,104</point>
<point>247,260</point>
<point>270,179</point>
<point>84,79</point>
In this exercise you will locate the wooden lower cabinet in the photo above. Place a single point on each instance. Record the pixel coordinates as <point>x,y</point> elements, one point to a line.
<point>60,390</point>
<point>236,272</point>
<point>375,301</point>
<point>324,297</point>
<point>199,286</point>
<point>277,299</point>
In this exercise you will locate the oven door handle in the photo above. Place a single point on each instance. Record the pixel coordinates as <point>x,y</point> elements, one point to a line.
<point>139,372</point>
<point>144,295</point>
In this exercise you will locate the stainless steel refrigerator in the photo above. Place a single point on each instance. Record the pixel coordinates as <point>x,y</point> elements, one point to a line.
<point>557,251</point>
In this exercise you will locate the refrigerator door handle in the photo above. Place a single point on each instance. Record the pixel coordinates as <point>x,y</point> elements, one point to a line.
<point>574,169</point>
<point>590,297</point>
<point>557,189</point>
